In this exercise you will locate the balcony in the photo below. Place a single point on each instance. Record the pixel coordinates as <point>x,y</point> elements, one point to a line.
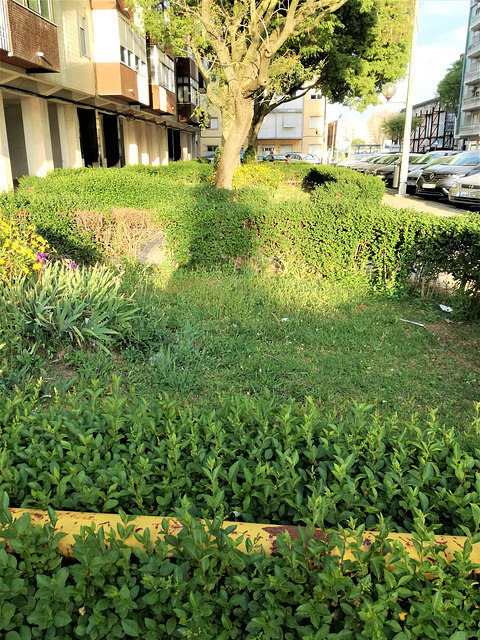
<point>473,50</point>
<point>120,54</point>
<point>187,87</point>
<point>469,130</point>
<point>475,20</point>
<point>163,100</point>
<point>472,77</point>
<point>27,39</point>
<point>471,104</point>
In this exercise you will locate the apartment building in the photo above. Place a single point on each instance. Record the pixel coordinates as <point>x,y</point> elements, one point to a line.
<point>437,130</point>
<point>342,131</point>
<point>469,116</point>
<point>294,126</point>
<point>81,86</point>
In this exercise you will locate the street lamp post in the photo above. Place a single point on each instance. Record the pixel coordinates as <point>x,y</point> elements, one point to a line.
<point>402,186</point>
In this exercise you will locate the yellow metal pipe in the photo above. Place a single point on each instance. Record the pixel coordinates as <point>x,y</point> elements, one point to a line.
<point>260,535</point>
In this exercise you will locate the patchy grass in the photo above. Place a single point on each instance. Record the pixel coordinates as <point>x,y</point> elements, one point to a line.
<point>201,334</point>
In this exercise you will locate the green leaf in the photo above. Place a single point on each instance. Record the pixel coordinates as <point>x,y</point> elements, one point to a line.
<point>130,627</point>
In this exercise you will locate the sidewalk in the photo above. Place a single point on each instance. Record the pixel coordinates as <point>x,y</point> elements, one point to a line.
<point>419,204</point>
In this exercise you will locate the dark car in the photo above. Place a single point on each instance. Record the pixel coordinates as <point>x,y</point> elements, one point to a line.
<point>386,172</point>
<point>386,161</point>
<point>274,158</point>
<point>418,167</point>
<point>437,181</point>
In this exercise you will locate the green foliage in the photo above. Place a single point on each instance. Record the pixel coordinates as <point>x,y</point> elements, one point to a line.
<point>78,304</point>
<point>102,451</point>
<point>394,126</point>
<point>214,229</point>
<point>341,181</point>
<point>449,88</point>
<point>216,158</point>
<point>208,589</point>
<point>250,154</point>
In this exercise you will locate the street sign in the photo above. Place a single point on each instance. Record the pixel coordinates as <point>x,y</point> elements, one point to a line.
<point>436,142</point>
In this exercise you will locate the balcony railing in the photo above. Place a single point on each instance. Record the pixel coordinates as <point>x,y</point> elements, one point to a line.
<point>471,104</point>
<point>475,21</point>
<point>467,130</point>
<point>473,50</point>
<point>472,77</point>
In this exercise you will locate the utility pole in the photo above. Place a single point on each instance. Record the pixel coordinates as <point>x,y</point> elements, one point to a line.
<point>402,186</point>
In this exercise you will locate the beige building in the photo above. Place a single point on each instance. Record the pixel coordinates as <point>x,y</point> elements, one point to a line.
<point>80,86</point>
<point>294,126</point>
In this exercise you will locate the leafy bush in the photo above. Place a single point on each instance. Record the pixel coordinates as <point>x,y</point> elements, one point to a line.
<point>214,229</point>
<point>257,174</point>
<point>76,303</point>
<point>343,182</point>
<point>216,158</point>
<point>266,460</point>
<point>208,589</point>
<point>250,155</point>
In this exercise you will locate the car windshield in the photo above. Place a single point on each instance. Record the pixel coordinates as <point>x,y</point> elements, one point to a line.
<point>383,159</point>
<point>399,159</point>
<point>469,158</point>
<point>423,159</point>
<point>374,159</point>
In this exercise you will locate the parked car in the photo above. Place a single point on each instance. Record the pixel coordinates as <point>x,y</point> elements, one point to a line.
<point>304,157</point>
<point>415,173</point>
<point>353,159</point>
<point>381,162</point>
<point>466,191</point>
<point>438,180</point>
<point>275,158</point>
<point>386,172</point>
<point>363,166</point>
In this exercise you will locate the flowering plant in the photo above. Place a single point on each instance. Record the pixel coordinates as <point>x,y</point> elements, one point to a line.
<point>22,251</point>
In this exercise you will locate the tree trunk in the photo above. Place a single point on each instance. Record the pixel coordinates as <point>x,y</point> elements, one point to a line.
<point>236,137</point>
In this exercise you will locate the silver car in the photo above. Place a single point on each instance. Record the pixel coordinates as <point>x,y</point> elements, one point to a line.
<point>304,157</point>
<point>466,191</point>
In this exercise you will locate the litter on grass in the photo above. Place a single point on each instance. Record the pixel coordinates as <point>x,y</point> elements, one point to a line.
<point>418,324</point>
<point>444,307</point>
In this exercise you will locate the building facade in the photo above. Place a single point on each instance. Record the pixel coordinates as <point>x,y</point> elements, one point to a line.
<point>437,130</point>
<point>342,131</point>
<point>296,126</point>
<point>80,86</point>
<point>469,116</point>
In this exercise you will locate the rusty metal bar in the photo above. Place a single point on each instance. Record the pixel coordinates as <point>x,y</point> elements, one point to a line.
<point>260,535</point>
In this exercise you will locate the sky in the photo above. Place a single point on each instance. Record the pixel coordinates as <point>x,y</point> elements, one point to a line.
<point>441,37</point>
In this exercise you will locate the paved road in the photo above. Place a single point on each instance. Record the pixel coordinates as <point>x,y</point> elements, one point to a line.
<point>438,208</point>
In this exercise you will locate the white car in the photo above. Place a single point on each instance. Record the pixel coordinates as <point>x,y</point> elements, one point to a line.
<point>466,191</point>
<point>304,157</point>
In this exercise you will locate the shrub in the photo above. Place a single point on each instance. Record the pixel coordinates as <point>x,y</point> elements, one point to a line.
<point>76,303</point>
<point>216,158</point>
<point>343,182</point>
<point>250,155</point>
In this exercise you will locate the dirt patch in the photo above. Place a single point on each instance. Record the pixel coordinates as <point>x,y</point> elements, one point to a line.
<point>462,342</point>
<point>59,370</point>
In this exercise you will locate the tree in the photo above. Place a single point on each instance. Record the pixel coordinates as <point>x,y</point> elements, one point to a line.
<point>394,127</point>
<point>358,141</point>
<point>236,44</point>
<point>448,89</point>
<point>346,58</point>
<point>375,122</point>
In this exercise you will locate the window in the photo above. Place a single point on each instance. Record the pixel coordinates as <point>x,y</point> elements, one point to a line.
<point>315,96</point>
<point>288,122</point>
<point>42,7</point>
<point>315,122</point>
<point>83,36</point>
<point>211,149</point>
<point>213,123</point>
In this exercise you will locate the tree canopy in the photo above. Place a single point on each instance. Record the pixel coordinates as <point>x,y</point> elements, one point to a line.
<point>394,127</point>
<point>242,46</point>
<point>448,89</point>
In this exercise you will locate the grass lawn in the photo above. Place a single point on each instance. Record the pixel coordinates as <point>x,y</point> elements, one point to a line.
<point>200,334</point>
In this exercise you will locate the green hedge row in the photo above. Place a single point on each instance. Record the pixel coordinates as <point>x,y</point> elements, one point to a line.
<point>209,590</point>
<point>268,461</point>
